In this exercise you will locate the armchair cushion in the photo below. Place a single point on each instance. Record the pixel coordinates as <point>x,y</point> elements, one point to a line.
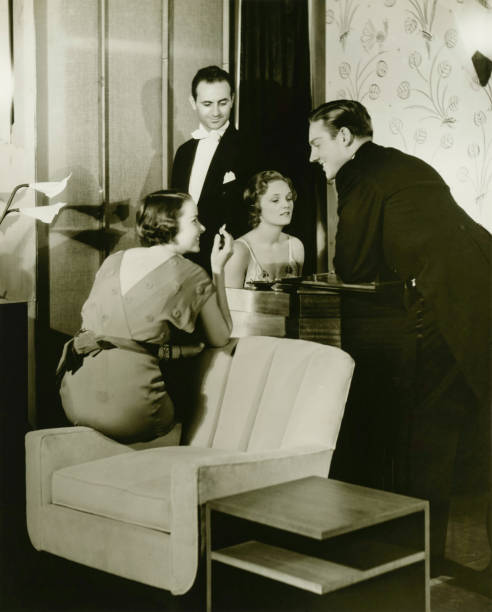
<point>134,488</point>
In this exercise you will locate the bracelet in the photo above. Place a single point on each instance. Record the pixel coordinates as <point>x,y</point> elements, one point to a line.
<point>165,352</point>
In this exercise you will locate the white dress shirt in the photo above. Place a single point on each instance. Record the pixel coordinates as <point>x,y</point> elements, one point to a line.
<point>207,145</point>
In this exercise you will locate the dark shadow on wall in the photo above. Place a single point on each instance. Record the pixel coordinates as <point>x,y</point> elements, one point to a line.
<point>114,211</point>
<point>101,239</point>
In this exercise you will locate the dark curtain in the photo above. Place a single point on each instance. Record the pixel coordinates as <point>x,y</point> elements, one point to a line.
<point>275,100</point>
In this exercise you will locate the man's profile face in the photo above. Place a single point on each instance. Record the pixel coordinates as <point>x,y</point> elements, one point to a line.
<point>213,103</point>
<point>327,150</point>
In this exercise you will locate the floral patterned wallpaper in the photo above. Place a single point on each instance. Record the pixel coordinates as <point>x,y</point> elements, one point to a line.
<point>406,62</point>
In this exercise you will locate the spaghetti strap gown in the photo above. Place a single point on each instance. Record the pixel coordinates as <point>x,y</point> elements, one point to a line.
<point>122,392</point>
<point>256,272</point>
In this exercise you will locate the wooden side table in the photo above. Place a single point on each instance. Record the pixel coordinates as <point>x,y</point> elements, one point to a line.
<point>348,545</point>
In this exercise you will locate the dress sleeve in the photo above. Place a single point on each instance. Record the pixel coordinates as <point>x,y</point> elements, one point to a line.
<point>195,288</point>
<point>358,250</point>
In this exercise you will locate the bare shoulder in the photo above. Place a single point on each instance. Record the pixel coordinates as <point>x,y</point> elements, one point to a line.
<point>296,243</point>
<point>297,248</point>
<point>241,250</point>
<point>235,269</point>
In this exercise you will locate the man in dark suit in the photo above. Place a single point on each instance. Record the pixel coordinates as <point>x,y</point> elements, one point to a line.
<point>397,218</point>
<point>210,165</point>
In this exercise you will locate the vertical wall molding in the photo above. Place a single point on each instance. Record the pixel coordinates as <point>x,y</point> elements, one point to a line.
<point>165,92</point>
<point>168,144</point>
<point>237,57</point>
<point>103,126</point>
<point>226,26</point>
<point>325,220</point>
<point>317,54</point>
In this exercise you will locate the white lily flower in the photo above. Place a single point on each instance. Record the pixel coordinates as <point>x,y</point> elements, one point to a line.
<point>46,214</point>
<point>51,188</point>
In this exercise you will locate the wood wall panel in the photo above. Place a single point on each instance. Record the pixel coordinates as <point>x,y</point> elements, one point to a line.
<point>68,141</point>
<point>196,28</point>
<point>136,132</point>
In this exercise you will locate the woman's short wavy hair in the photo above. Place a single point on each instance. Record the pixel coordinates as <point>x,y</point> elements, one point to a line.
<point>257,187</point>
<point>157,217</point>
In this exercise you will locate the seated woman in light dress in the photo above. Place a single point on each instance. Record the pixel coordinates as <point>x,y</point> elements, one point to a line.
<point>266,253</point>
<point>114,369</point>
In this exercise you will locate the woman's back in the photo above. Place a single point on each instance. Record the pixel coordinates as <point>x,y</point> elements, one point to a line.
<point>113,369</point>
<point>171,292</point>
<point>138,262</point>
<point>120,391</point>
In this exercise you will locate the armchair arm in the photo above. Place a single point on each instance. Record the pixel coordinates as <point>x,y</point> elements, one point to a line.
<point>218,477</point>
<point>195,483</point>
<point>48,450</point>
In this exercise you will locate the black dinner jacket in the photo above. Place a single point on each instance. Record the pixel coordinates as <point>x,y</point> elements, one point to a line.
<point>219,202</point>
<point>396,212</point>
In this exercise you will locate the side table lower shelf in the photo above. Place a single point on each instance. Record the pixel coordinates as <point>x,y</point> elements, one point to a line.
<point>312,574</point>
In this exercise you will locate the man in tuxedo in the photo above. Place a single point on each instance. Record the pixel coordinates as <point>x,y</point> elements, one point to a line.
<point>397,217</point>
<point>209,166</point>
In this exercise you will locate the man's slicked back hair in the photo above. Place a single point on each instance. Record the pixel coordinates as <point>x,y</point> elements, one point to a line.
<point>343,113</point>
<point>211,74</point>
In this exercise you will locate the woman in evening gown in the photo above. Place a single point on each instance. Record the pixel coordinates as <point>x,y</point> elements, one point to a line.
<point>114,369</point>
<point>266,253</point>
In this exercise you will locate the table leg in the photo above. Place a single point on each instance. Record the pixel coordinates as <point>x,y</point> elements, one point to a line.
<point>208,561</point>
<point>427,558</point>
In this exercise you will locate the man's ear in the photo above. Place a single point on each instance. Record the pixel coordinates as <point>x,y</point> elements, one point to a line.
<point>346,136</point>
<point>232,98</point>
<point>192,102</point>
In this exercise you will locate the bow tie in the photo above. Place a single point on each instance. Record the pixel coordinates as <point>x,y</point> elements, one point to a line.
<point>201,133</point>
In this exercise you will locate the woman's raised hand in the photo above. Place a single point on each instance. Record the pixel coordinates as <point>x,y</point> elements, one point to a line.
<point>215,315</point>
<point>221,250</point>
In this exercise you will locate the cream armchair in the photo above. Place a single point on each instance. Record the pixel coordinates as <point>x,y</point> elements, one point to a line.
<point>265,410</point>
